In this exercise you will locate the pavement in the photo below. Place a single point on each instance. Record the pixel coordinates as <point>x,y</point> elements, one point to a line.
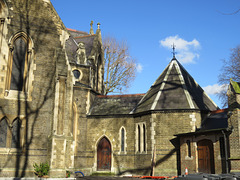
<point>106,178</point>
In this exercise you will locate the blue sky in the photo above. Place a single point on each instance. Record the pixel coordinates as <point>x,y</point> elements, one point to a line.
<point>201,31</point>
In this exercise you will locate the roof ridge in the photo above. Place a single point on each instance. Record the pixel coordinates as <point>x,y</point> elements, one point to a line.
<point>78,37</point>
<point>183,83</point>
<point>123,95</point>
<point>161,87</point>
<point>74,30</point>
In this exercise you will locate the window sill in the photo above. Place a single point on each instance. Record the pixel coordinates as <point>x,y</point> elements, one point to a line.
<point>13,94</point>
<point>9,150</point>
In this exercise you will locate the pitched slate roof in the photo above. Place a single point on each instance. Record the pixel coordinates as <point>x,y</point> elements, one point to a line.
<point>114,105</point>
<point>175,89</point>
<point>75,38</point>
<point>88,42</point>
<point>216,120</point>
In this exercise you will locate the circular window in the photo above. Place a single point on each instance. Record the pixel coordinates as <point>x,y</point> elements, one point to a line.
<point>76,74</point>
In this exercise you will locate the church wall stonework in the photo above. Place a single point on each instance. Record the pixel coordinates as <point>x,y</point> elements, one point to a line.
<point>56,107</point>
<point>36,113</point>
<point>167,125</point>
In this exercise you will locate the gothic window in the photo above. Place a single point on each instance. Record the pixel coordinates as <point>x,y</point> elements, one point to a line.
<point>20,48</point>
<point>18,64</point>
<point>16,134</point>
<point>141,141</point>
<point>139,138</point>
<point>3,132</point>
<point>10,134</point>
<point>144,138</point>
<point>122,140</point>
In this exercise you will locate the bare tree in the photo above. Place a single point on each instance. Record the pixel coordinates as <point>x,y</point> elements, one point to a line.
<point>230,69</point>
<point>120,67</point>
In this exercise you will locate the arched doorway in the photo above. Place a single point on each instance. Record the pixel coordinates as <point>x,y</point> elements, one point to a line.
<point>104,155</point>
<point>205,156</point>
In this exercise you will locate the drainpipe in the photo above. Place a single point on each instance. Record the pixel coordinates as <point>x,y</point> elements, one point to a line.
<point>226,151</point>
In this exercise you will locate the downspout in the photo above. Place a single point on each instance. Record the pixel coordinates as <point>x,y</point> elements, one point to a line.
<point>226,151</point>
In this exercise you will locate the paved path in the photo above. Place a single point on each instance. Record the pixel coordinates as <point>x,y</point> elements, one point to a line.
<point>106,178</point>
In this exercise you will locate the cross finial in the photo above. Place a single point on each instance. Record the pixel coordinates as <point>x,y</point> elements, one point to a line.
<point>91,29</point>
<point>173,52</point>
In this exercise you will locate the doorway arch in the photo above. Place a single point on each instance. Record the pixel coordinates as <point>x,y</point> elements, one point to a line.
<point>104,155</point>
<point>205,156</point>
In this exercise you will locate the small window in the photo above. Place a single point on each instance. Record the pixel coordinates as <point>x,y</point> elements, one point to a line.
<point>144,138</point>
<point>76,73</point>
<point>139,139</point>
<point>122,140</point>
<point>189,148</point>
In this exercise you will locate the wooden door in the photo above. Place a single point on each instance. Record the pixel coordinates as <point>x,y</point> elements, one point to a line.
<point>104,155</point>
<point>205,156</point>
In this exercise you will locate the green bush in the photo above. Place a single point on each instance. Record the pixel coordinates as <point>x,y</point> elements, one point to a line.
<point>42,169</point>
<point>68,173</point>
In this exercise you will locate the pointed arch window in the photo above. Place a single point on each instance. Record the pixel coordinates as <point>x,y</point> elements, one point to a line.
<point>144,138</point>
<point>19,64</point>
<point>10,134</point>
<point>122,140</point>
<point>139,138</point>
<point>15,131</point>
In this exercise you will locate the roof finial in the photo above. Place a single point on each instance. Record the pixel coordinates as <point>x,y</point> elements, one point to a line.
<point>98,25</point>
<point>173,52</point>
<point>91,29</point>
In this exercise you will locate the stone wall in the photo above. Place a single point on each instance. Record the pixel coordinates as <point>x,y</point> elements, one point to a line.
<point>34,107</point>
<point>168,124</point>
<point>192,162</point>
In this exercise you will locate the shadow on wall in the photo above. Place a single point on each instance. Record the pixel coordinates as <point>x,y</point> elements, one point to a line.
<point>147,169</point>
<point>31,23</point>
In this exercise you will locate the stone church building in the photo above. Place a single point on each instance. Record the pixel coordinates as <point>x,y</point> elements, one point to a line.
<point>52,107</point>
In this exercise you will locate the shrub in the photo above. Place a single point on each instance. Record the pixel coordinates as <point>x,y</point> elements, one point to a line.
<point>42,169</point>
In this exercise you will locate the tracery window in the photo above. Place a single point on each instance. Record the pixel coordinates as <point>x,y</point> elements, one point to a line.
<point>10,134</point>
<point>19,63</point>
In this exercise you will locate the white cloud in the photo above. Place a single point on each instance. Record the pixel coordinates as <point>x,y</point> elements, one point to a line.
<point>215,89</point>
<point>186,50</point>
<point>139,68</point>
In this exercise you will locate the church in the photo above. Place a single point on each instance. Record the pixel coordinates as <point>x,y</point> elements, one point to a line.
<point>53,108</point>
